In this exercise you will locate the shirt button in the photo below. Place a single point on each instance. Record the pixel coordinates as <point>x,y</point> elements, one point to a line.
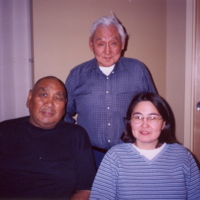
<point>108,140</point>
<point>107,77</point>
<point>113,72</point>
<point>108,124</point>
<point>108,108</point>
<point>107,92</point>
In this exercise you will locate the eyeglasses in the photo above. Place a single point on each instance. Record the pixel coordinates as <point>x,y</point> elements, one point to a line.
<point>151,119</point>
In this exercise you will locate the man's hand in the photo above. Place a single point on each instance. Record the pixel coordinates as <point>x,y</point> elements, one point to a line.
<point>81,195</point>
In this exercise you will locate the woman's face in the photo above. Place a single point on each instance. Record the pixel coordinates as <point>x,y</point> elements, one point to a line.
<point>146,124</point>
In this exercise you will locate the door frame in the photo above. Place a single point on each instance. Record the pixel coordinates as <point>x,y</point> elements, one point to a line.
<point>189,74</point>
<point>196,114</point>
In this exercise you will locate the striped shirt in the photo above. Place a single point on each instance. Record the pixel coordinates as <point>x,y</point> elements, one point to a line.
<point>125,174</point>
<point>101,101</point>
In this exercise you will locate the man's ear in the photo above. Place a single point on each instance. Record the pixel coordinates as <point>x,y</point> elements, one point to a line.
<point>123,46</point>
<point>91,44</point>
<point>29,98</point>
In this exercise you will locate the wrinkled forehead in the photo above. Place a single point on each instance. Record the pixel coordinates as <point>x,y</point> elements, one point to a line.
<point>50,84</point>
<point>102,29</point>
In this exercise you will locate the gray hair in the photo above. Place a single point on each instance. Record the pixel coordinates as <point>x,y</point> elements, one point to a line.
<point>107,21</point>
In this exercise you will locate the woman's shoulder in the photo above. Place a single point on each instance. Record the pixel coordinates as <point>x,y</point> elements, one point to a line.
<point>123,147</point>
<point>179,149</point>
<point>177,146</point>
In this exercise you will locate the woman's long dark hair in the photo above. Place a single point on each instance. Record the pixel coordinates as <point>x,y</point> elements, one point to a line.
<point>167,134</point>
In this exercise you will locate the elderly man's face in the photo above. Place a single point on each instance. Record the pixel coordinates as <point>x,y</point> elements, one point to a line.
<point>106,45</point>
<point>46,103</point>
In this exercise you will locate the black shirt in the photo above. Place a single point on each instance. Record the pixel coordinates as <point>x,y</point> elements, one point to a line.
<point>44,163</point>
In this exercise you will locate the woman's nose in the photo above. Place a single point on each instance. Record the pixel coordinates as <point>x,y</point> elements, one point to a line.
<point>145,122</point>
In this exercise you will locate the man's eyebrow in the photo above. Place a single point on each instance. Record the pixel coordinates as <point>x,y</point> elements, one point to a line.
<point>61,94</point>
<point>115,38</point>
<point>44,89</point>
<point>41,89</point>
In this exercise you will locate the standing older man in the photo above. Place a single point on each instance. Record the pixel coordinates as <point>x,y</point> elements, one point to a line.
<point>101,89</point>
<point>41,156</point>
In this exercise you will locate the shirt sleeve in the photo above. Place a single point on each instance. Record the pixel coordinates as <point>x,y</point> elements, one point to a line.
<point>86,168</point>
<point>104,186</point>
<point>149,81</point>
<point>192,179</point>
<point>71,107</point>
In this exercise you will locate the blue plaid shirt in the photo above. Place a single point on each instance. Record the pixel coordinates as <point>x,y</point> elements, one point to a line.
<point>101,101</point>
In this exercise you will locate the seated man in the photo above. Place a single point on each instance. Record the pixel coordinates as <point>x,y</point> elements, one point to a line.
<point>41,156</point>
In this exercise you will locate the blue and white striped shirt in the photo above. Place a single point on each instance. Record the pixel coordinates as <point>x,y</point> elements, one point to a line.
<point>101,101</point>
<point>125,174</point>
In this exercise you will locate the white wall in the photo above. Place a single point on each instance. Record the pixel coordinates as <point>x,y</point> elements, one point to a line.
<point>175,62</point>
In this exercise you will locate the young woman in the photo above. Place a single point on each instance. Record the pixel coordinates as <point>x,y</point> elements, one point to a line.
<point>150,164</point>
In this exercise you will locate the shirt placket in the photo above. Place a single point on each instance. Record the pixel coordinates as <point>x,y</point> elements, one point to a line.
<point>109,104</point>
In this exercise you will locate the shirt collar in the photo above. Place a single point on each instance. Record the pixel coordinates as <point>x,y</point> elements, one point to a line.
<point>119,66</point>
